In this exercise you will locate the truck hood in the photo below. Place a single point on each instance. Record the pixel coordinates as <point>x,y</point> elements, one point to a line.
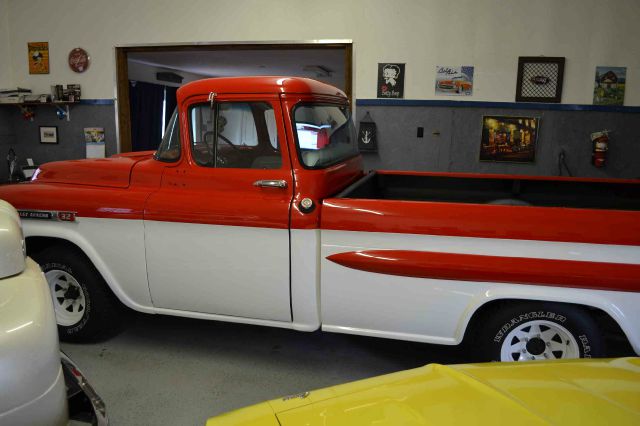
<point>564,392</point>
<point>112,172</point>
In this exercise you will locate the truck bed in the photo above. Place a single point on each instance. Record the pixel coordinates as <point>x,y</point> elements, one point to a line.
<point>497,189</point>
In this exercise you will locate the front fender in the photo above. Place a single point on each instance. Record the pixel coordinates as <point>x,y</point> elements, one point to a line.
<point>114,246</point>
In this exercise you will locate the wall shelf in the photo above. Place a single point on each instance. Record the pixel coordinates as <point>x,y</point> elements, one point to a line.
<point>27,108</point>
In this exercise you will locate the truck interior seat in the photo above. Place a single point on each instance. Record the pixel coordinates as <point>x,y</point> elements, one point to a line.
<point>311,158</point>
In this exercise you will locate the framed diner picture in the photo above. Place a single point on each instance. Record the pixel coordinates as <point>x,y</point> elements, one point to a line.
<point>48,134</point>
<point>509,139</point>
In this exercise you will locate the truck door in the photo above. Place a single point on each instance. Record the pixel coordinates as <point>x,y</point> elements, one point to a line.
<point>217,230</point>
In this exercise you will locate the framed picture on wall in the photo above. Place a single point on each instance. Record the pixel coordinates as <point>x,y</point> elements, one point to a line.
<point>455,81</point>
<point>609,85</point>
<point>390,80</point>
<point>540,79</point>
<point>509,139</point>
<point>48,134</point>
<point>38,57</point>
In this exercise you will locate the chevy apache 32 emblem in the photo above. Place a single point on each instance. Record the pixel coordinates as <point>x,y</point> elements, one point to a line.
<point>48,215</point>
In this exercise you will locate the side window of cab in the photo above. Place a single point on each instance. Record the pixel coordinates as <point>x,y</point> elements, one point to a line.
<point>169,149</point>
<point>240,135</point>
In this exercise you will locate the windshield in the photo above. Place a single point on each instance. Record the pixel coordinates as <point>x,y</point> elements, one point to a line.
<point>325,134</point>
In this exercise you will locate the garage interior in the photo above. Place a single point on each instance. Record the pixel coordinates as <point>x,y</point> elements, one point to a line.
<point>171,370</point>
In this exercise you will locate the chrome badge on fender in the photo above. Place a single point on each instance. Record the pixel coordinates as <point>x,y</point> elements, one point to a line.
<point>47,215</point>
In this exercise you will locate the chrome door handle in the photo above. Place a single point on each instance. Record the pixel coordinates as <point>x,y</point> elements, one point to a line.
<point>271,183</point>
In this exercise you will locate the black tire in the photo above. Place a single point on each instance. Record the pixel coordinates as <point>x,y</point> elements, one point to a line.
<point>490,333</point>
<point>103,312</point>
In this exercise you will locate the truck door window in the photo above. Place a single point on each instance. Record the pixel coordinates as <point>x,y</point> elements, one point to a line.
<point>169,149</point>
<point>235,135</point>
<point>325,134</point>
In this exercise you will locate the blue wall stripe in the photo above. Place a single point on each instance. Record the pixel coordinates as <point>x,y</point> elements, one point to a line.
<point>505,105</point>
<point>457,104</point>
<point>96,101</point>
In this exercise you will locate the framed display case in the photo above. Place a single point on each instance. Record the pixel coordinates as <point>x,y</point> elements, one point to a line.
<point>540,79</point>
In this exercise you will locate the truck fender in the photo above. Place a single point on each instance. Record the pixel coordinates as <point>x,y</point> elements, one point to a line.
<point>68,233</point>
<point>621,307</point>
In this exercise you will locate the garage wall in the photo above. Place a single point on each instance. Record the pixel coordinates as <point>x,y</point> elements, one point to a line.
<point>7,140</point>
<point>5,63</point>
<point>489,34</point>
<point>451,141</point>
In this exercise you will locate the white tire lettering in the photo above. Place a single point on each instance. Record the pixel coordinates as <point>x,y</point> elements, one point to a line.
<point>524,317</point>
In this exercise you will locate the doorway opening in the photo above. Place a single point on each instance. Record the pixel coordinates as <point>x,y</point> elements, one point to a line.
<point>148,77</point>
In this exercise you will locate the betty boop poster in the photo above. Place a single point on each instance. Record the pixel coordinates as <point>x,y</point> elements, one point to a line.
<point>390,80</point>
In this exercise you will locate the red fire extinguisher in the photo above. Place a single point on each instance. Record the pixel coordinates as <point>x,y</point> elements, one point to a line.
<point>600,142</point>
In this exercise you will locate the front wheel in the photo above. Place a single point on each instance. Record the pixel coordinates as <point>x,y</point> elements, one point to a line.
<point>538,331</point>
<point>84,306</point>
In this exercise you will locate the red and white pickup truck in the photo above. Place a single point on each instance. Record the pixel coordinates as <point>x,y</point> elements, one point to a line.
<point>256,209</point>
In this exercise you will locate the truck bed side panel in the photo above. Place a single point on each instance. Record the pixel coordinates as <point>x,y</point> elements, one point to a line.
<point>405,305</point>
<point>483,221</point>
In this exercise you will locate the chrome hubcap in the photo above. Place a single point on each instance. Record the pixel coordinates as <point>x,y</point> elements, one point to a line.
<point>539,340</point>
<point>68,297</point>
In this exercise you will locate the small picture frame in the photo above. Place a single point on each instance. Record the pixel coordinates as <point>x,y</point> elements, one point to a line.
<point>48,134</point>
<point>391,80</point>
<point>540,79</point>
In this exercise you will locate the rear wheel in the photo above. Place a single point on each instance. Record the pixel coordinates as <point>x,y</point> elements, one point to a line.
<point>537,331</point>
<point>84,306</point>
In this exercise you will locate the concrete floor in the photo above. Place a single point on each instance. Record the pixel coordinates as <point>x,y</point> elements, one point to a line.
<point>177,371</point>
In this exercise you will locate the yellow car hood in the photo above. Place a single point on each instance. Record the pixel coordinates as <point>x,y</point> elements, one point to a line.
<point>575,392</point>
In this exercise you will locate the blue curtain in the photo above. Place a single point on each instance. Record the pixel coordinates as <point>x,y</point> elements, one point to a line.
<point>146,115</point>
<point>172,102</point>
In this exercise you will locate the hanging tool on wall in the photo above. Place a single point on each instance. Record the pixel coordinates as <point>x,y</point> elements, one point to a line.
<point>63,113</point>
<point>562,164</point>
<point>15,171</point>
<point>27,113</point>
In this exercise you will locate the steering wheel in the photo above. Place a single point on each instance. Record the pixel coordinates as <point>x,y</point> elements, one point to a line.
<point>227,141</point>
<point>222,138</point>
<point>205,146</point>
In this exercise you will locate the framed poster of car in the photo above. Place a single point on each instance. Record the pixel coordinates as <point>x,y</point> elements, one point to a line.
<point>540,79</point>
<point>455,81</point>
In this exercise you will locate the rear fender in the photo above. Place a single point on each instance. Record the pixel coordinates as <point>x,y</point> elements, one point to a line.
<point>621,307</point>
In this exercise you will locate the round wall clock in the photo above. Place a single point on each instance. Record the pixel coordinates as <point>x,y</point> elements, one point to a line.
<point>79,60</point>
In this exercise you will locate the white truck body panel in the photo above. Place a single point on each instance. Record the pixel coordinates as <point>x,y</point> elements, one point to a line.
<point>437,311</point>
